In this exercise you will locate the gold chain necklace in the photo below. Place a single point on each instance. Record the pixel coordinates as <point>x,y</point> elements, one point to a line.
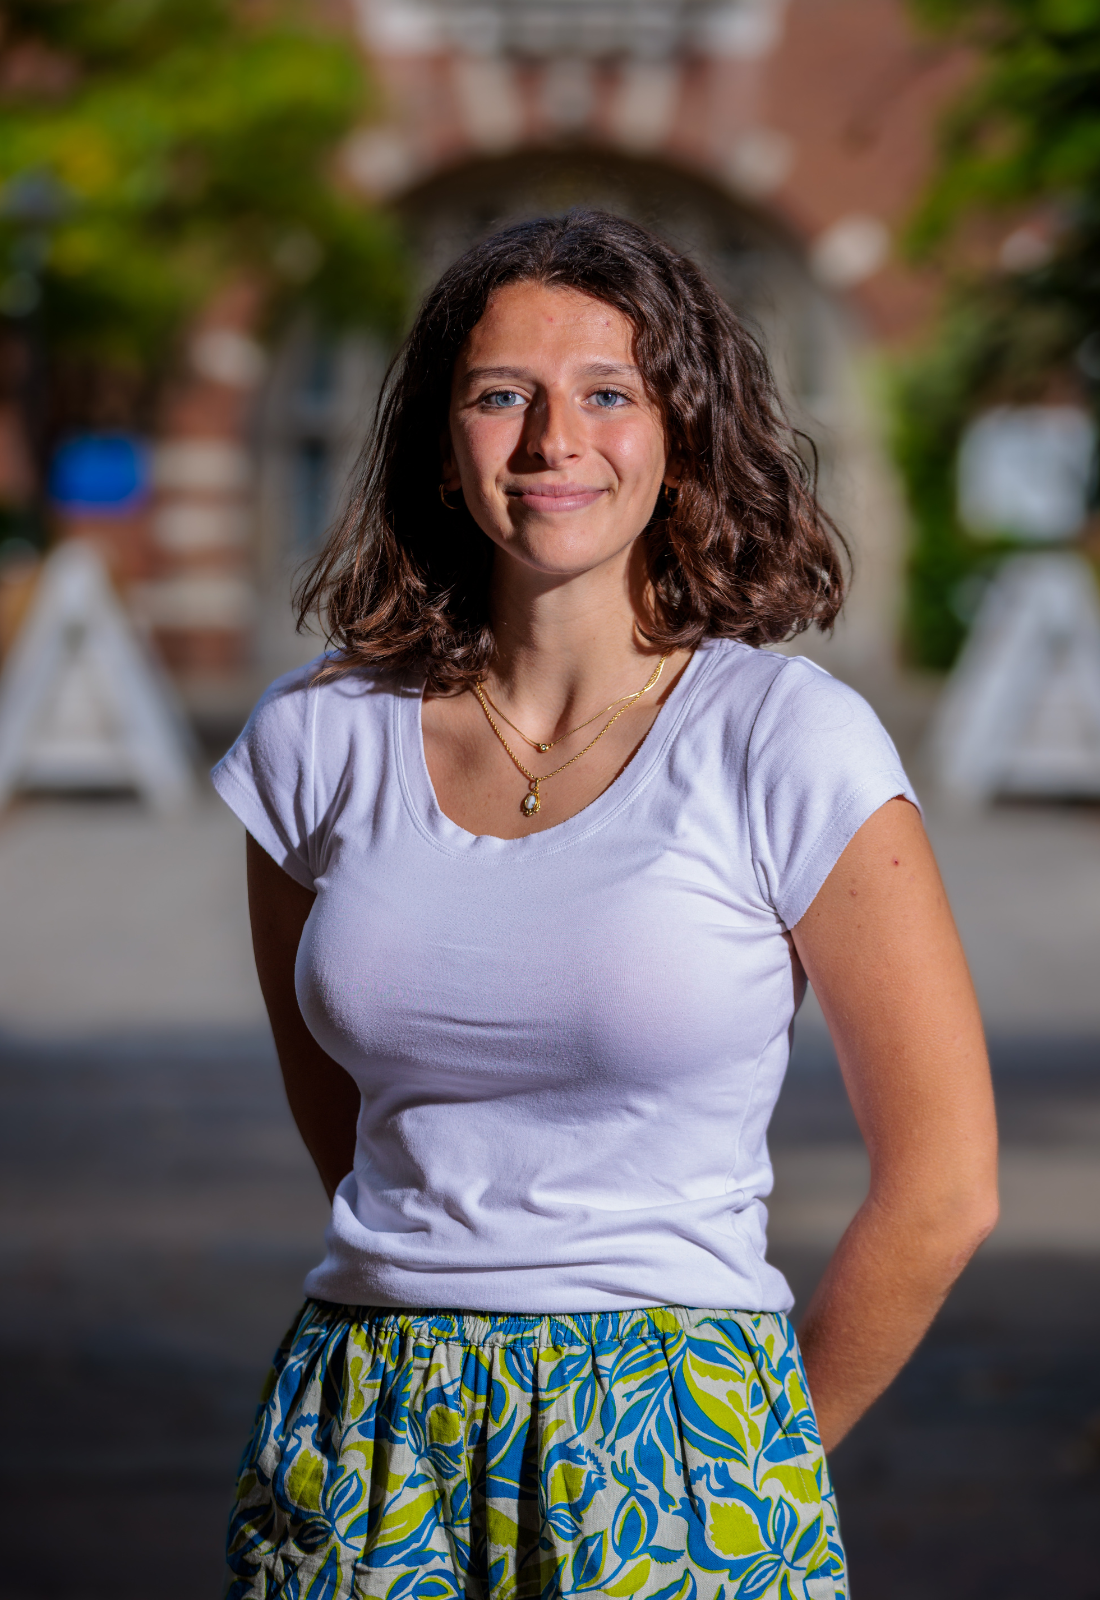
<point>548,744</point>
<point>531,802</point>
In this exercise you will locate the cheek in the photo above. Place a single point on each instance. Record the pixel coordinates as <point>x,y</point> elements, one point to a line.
<point>485,442</point>
<point>637,453</point>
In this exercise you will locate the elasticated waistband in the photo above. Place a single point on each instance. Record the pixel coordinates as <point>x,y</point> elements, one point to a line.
<point>552,1330</point>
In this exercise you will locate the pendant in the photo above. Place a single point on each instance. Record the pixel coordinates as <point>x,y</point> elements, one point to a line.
<point>543,747</point>
<point>530,802</point>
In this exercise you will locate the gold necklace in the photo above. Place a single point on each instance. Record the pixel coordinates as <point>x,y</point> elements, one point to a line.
<point>531,802</point>
<point>548,744</point>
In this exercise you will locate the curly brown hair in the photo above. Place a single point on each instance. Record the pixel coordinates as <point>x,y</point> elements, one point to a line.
<point>742,551</point>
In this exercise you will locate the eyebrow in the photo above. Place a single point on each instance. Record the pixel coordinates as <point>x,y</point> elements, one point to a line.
<point>597,369</point>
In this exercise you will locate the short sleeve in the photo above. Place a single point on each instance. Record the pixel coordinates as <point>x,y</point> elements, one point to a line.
<point>266,779</point>
<point>819,763</point>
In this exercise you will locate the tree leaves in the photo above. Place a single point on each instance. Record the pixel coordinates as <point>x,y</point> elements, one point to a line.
<point>1022,139</point>
<point>193,142</point>
<point>1029,124</point>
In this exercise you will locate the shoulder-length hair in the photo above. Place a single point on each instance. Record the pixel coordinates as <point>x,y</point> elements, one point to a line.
<point>741,551</point>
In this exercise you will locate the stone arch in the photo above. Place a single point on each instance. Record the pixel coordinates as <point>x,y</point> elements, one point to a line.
<point>755,261</point>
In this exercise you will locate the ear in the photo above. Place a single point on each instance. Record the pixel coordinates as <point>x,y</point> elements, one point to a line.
<point>674,467</point>
<point>448,466</point>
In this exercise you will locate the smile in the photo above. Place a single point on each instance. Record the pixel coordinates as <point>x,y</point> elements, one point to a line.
<point>556,497</point>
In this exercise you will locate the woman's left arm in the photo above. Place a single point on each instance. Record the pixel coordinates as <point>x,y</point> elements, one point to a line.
<point>880,948</point>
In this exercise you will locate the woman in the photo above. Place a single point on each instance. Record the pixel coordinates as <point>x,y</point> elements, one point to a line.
<point>532,990</point>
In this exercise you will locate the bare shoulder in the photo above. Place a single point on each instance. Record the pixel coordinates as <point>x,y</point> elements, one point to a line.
<point>888,862</point>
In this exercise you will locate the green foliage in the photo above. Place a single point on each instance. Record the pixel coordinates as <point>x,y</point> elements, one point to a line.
<point>990,349</point>
<point>1029,125</point>
<point>153,150</point>
<point>1026,131</point>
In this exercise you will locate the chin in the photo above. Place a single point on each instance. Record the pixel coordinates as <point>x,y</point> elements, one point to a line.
<point>563,553</point>
<point>558,563</point>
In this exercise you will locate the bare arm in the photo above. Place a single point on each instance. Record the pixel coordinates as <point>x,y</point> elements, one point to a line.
<point>880,948</point>
<point>323,1099</point>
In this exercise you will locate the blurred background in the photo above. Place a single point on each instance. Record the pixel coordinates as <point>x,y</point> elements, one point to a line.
<point>215,219</point>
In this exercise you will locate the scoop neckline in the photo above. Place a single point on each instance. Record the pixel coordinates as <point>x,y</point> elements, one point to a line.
<point>432,822</point>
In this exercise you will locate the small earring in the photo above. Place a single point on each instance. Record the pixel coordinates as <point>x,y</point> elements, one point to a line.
<point>443,497</point>
<point>671,493</point>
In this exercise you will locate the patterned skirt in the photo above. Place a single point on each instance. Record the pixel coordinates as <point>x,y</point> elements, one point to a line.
<point>665,1454</point>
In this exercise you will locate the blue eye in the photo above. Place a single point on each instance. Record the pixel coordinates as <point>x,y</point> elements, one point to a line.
<point>503,400</point>
<point>609,399</point>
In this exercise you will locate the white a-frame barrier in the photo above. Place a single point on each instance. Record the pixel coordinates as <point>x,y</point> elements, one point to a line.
<point>1021,711</point>
<point>82,706</point>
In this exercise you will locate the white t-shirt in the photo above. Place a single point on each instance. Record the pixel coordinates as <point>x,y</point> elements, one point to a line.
<point>568,1045</point>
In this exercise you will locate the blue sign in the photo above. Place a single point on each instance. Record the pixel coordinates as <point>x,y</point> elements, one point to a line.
<point>100,474</point>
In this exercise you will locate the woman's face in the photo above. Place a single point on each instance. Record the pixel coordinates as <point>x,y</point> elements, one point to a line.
<point>558,450</point>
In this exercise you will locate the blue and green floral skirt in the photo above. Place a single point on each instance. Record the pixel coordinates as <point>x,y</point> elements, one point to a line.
<point>666,1454</point>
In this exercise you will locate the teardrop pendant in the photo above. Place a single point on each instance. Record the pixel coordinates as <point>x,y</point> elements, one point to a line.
<point>530,803</point>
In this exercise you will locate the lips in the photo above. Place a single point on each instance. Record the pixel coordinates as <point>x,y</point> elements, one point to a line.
<point>556,496</point>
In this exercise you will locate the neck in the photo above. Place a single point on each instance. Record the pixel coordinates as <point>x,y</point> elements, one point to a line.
<point>565,646</point>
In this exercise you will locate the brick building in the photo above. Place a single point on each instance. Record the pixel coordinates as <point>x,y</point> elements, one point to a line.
<point>782,141</point>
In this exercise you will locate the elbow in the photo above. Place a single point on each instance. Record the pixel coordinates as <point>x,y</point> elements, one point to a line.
<point>977,1224</point>
<point>985,1214</point>
<point>943,1225</point>
<point>967,1222</point>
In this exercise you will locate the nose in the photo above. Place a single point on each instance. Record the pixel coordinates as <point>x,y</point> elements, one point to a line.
<point>553,431</point>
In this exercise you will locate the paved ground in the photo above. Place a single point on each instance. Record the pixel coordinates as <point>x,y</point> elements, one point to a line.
<point>160,1214</point>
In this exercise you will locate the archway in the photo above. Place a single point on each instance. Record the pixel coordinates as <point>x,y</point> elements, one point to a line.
<point>755,263</point>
